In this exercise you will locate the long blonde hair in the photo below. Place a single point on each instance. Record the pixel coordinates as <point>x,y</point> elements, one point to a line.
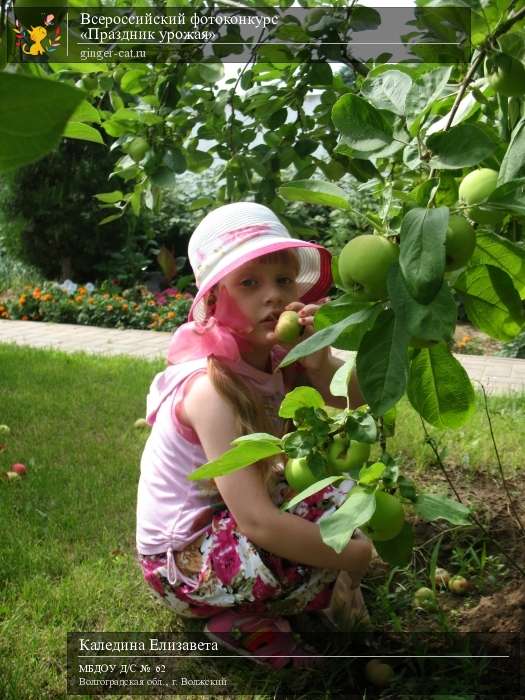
<point>251,417</point>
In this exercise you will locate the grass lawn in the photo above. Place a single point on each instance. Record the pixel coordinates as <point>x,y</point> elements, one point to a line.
<point>67,558</point>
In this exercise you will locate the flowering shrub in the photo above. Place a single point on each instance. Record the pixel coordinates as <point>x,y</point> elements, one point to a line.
<point>129,308</point>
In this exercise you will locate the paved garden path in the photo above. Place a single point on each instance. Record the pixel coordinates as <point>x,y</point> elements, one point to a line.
<point>498,374</point>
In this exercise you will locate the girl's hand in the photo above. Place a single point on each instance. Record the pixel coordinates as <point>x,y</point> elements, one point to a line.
<point>306,313</point>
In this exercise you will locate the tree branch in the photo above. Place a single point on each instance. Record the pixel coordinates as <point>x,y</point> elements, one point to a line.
<point>474,517</point>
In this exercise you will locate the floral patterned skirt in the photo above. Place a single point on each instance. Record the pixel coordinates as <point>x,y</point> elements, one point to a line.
<point>229,571</point>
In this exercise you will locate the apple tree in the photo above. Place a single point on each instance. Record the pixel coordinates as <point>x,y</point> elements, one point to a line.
<point>440,149</point>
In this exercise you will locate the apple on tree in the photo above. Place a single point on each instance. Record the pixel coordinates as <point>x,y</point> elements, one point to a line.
<point>363,266</point>
<point>388,518</point>
<point>298,474</point>
<point>459,243</point>
<point>344,455</point>
<point>506,74</point>
<point>138,148</point>
<point>474,189</point>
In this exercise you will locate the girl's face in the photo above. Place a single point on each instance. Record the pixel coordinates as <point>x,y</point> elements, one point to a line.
<point>261,289</point>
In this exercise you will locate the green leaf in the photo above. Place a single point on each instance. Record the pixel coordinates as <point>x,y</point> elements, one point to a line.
<point>398,550</point>
<point>300,397</point>
<point>322,339</point>
<point>439,388</point>
<point>461,146</point>
<point>495,250</point>
<point>257,437</point>
<point>513,164</point>
<point>33,115</point>
<point>382,363</point>
<point>315,192</point>
<point>433,321</point>
<point>365,128</point>
<point>491,302</point>
<point>422,254</point>
<point>361,427</point>
<point>85,112</point>
<point>341,377</point>
<point>314,488</point>
<point>83,132</point>
<point>388,91</point>
<point>368,475</point>
<point>337,529</point>
<point>424,92</point>
<point>110,197</point>
<point>341,308</point>
<point>432,507</point>
<point>134,81</point>
<point>242,455</point>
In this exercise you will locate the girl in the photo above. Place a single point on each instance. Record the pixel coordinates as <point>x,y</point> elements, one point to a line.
<point>223,549</point>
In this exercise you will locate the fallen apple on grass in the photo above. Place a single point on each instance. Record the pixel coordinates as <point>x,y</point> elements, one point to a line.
<point>459,585</point>
<point>141,423</point>
<point>424,598</point>
<point>19,468</point>
<point>5,430</point>
<point>379,673</point>
<point>441,577</point>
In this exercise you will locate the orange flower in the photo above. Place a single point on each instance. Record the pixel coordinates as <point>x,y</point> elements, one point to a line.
<point>79,298</point>
<point>152,303</point>
<point>171,314</point>
<point>47,297</point>
<point>109,307</point>
<point>124,307</point>
<point>37,293</point>
<point>22,299</point>
<point>82,290</point>
<point>91,301</point>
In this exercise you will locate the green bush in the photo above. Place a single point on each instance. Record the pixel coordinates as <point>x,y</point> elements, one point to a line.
<point>49,217</point>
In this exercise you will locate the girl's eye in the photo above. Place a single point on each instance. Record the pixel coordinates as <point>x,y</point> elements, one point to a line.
<point>285,280</point>
<point>247,282</point>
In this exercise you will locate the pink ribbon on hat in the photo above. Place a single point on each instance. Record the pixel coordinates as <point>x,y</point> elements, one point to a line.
<point>193,340</point>
<point>220,335</point>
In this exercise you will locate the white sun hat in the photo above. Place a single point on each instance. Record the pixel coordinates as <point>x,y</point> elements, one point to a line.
<point>237,233</point>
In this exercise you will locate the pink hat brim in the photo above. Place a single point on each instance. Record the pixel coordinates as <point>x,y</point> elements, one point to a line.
<point>319,289</point>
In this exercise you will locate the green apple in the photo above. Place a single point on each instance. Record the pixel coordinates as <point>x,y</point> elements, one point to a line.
<point>506,75</point>
<point>342,456</point>
<point>458,585</point>
<point>288,329</point>
<point>387,520</point>
<point>138,148</point>
<point>474,189</point>
<point>141,423</point>
<point>5,430</point>
<point>378,673</point>
<point>424,598</point>
<point>459,243</point>
<point>298,474</point>
<point>363,266</point>
<point>478,185</point>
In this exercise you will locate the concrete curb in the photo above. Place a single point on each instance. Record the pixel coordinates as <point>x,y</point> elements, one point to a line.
<point>499,375</point>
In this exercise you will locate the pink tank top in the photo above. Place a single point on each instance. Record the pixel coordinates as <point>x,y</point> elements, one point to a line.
<point>171,510</point>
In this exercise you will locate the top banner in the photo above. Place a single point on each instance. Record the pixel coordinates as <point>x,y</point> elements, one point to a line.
<point>52,34</point>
